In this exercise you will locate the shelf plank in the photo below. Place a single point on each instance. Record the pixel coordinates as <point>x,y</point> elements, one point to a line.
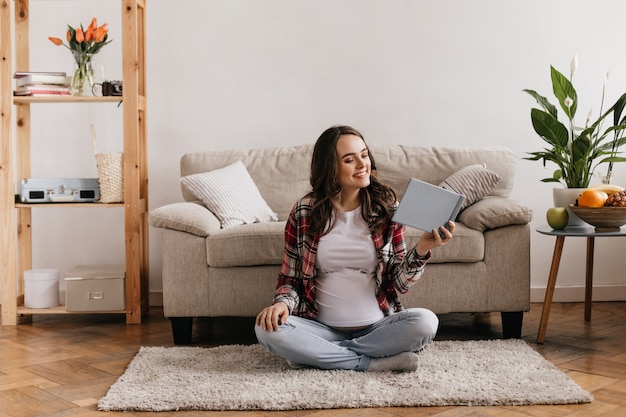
<point>21,310</point>
<point>65,205</point>
<point>66,99</point>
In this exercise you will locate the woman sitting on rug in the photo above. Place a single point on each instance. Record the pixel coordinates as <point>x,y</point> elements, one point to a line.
<point>336,304</point>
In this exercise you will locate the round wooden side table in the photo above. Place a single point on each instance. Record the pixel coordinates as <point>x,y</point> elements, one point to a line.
<point>579,231</point>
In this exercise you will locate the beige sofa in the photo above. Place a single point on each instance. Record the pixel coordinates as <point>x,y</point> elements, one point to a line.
<point>210,271</point>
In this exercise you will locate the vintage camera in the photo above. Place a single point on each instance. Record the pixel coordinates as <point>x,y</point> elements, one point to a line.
<point>112,88</point>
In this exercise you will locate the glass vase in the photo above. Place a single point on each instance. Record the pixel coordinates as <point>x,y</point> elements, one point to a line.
<point>83,79</point>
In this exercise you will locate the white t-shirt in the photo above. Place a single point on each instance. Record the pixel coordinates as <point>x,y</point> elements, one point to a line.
<point>345,284</point>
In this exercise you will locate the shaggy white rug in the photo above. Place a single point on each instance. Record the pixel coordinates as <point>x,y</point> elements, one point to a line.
<point>494,372</point>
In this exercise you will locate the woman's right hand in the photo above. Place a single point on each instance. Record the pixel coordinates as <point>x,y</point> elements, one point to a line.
<point>432,240</point>
<point>271,317</point>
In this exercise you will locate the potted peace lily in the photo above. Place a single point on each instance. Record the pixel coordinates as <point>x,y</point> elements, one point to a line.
<point>576,151</point>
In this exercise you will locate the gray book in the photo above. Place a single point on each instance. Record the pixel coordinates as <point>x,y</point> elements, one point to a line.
<point>426,206</point>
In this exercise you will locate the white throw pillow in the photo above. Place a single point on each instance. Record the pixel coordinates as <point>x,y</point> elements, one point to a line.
<point>231,194</point>
<point>474,182</point>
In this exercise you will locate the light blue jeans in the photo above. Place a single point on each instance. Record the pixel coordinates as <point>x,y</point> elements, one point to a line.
<point>308,342</point>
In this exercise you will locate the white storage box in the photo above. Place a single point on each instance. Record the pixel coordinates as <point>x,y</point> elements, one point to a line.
<point>41,288</point>
<point>95,288</point>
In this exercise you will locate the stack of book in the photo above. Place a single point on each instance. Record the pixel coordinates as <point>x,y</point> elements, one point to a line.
<point>42,84</point>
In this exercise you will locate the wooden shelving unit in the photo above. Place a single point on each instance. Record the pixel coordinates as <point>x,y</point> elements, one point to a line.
<point>15,219</point>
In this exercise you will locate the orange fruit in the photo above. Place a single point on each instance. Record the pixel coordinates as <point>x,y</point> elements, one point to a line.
<point>592,198</point>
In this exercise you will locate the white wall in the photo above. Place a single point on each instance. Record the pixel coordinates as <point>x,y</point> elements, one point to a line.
<point>249,73</point>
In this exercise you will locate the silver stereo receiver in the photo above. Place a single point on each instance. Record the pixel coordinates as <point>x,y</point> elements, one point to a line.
<point>59,190</point>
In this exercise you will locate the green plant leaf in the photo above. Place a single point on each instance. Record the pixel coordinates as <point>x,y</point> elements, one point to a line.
<point>618,107</point>
<point>549,128</point>
<point>581,146</point>
<point>610,147</point>
<point>564,89</point>
<point>613,159</point>
<point>556,177</point>
<point>536,156</point>
<point>543,102</point>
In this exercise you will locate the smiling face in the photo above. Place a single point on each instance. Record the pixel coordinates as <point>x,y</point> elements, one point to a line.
<point>353,164</point>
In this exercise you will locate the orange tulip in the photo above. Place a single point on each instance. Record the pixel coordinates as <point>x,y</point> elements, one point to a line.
<point>56,41</point>
<point>101,33</point>
<point>80,36</point>
<point>89,34</point>
<point>68,36</point>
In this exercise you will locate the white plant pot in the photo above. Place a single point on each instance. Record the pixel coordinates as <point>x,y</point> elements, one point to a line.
<point>563,197</point>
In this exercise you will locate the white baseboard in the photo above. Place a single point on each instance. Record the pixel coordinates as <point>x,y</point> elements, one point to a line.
<point>577,294</point>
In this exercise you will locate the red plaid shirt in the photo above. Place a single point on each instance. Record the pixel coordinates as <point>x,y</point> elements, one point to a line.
<point>397,270</point>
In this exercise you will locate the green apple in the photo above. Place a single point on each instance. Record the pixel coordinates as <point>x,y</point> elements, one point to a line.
<point>557,217</point>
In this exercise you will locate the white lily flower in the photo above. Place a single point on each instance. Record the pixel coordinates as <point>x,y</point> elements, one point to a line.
<point>568,102</point>
<point>573,66</point>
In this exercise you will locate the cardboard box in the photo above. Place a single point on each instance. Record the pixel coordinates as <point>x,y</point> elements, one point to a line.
<point>95,288</point>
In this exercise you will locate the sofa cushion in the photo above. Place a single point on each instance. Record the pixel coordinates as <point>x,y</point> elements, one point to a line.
<point>247,245</point>
<point>263,244</point>
<point>473,181</point>
<point>493,212</point>
<point>231,194</point>
<point>186,217</point>
<point>467,245</point>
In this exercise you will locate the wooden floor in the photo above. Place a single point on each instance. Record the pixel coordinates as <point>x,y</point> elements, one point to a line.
<point>62,365</point>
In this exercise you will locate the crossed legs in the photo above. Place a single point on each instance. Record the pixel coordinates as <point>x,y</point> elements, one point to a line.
<point>385,345</point>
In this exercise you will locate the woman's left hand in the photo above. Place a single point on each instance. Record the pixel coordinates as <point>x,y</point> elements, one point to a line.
<point>432,240</point>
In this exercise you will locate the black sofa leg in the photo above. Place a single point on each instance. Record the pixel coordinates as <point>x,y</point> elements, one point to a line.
<point>512,324</point>
<point>181,330</point>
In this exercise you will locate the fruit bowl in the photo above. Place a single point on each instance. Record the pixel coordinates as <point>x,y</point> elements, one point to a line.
<point>605,219</point>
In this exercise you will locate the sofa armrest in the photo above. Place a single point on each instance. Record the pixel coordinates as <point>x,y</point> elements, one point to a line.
<point>493,212</point>
<point>186,217</point>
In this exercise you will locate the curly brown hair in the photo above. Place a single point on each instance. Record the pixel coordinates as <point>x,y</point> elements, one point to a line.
<point>376,199</point>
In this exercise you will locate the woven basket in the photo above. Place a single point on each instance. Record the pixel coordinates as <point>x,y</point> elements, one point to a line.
<point>111,176</point>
